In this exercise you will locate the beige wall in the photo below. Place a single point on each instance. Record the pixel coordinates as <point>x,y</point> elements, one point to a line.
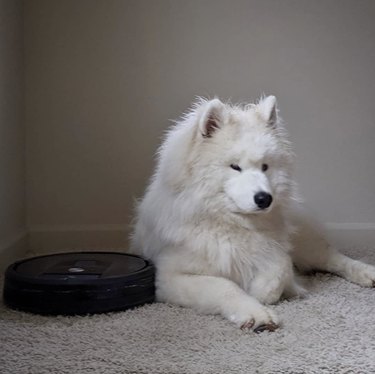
<point>12,144</point>
<point>104,77</point>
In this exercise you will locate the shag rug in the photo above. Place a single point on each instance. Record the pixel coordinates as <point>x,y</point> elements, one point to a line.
<point>331,331</point>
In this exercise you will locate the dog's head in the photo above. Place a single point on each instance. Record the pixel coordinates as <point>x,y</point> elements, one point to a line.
<point>235,157</point>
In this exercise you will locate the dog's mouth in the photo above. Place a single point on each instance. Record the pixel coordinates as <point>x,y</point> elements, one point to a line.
<point>263,210</point>
<point>253,212</point>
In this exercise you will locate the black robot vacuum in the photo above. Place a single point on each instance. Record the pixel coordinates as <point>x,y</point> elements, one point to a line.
<point>79,283</point>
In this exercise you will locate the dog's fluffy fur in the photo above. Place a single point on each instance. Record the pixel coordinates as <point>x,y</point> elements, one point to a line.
<point>214,249</point>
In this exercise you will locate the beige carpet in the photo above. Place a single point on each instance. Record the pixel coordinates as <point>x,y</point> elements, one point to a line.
<point>332,331</point>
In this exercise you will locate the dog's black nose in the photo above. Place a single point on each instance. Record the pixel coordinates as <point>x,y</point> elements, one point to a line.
<point>263,199</point>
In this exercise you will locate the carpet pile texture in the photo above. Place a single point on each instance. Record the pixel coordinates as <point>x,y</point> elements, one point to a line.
<point>331,331</point>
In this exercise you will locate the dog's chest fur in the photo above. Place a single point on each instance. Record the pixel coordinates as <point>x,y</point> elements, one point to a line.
<point>237,252</point>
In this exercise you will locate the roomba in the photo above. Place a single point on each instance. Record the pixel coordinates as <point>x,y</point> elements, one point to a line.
<point>79,283</point>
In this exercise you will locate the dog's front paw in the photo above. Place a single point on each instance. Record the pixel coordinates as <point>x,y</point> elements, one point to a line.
<point>254,316</point>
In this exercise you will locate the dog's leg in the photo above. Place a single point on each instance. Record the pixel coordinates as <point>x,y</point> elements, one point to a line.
<point>294,289</point>
<point>269,290</point>
<point>215,295</point>
<point>352,270</point>
<point>275,278</point>
<point>312,252</point>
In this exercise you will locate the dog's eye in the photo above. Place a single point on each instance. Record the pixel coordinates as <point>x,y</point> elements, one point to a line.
<point>235,167</point>
<point>264,167</point>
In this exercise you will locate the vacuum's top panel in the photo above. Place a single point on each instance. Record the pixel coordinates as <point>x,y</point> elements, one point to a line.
<point>83,265</point>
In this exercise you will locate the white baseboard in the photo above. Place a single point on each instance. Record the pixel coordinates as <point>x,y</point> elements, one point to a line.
<point>351,235</point>
<point>13,249</point>
<point>53,238</point>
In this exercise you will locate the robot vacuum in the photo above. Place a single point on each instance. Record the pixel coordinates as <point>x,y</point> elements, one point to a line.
<point>79,283</point>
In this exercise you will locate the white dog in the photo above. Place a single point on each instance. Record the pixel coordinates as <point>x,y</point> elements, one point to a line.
<point>216,217</point>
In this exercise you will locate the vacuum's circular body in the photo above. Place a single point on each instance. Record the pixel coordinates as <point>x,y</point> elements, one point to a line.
<point>79,283</point>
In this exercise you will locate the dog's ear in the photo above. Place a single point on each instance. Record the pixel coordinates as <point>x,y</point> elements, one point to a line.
<point>211,118</point>
<point>267,110</point>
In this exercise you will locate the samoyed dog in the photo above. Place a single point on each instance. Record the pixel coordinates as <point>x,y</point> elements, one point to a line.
<point>217,222</point>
